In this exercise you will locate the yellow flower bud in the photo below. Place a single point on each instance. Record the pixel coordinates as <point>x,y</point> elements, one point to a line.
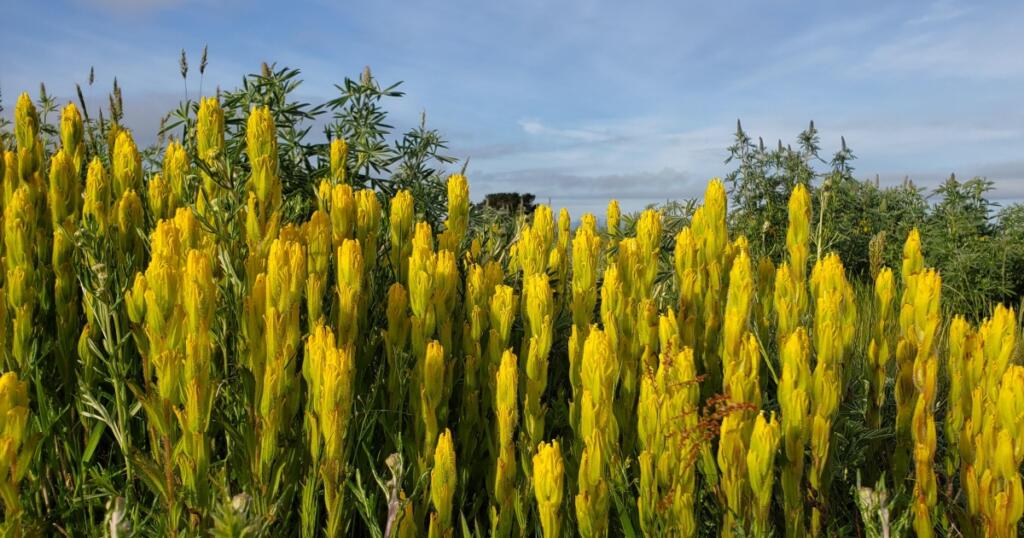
<point>175,173</point>
<point>798,232</point>
<point>126,165</point>
<point>98,198</point>
<point>210,130</point>
<point>400,229</point>
<point>442,486</point>
<point>339,161</point>
<point>14,419</point>
<point>458,212</point>
<point>261,147</point>
<point>343,213</point>
<point>539,304</point>
<point>548,484</point>
<point>368,218</point>
<point>26,134</point>
<point>592,502</point>
<point>350,291</point>
<point>71,131</point>
<point>613,216</point>
<point>506,412</point>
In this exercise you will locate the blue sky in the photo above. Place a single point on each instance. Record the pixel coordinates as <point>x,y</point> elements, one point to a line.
<point>581,101</point>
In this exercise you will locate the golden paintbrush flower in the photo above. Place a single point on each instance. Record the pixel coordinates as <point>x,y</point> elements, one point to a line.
<point>443,480</point>
<point>548,485</point>
<point>339,161</point>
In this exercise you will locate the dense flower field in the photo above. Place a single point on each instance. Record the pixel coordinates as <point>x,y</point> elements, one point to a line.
<point>181,356</point>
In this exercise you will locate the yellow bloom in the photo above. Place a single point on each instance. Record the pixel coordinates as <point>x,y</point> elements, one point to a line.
<point>339,161</point>
<point>442,486</point>
<point>71,131</point>
<point>764,442</point>
<point>401,227</point>
<point>127,165</point>
<point>548,484</point>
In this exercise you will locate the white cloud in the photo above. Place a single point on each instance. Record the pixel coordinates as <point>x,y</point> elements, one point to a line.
<point>984,48</point>
<point>940,11</point>
<point>535,127</point>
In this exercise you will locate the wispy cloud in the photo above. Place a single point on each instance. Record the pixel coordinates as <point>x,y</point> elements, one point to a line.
<point>535,127</point>
<point>940,11</point>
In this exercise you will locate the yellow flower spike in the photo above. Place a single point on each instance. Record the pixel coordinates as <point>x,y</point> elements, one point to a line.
<point>368,219</point>
<point>648,434</point>
<point>71,135</point>
<point>209,149</point>
<point>343,212</point>
<point>175,172</point>
<point>329,373</point>
<point>539,304</point>
<point>586,251</point>
<point>10,175</point>
<point>1010,406</point>
<point>98,198</point>
<point>502,311</point>
<point>285,279</point>
<point>913,259</point>
<point>544,225</point>
<point>64,197</point>
<point>765,291</point>
<point>14,419</point>
<point>732,463</point>
<point>506,412</point>
<point>793,396</point>
<point>350,291</point>
<point>592,500</point>
<point>401,233</point>
<point>786,302</point>
<point>737,313</point>
<point>833,321</point>
<point>599,372</point>
<point>200,305</point>
<point>26,134</point>
<point>126,166</point>
<point>261,148</point>
<point>613,217</point>
<point>158,194</point>
<point>317,234</point>
<point>548,484</point>
<point>458,212</point>
<point>64,201</point>
<point>926,319</point>
<point>648,237</point>
<point>431,391</point>
<point>798,231</point>
<point>443,480</point>
<point>961,337</point>
<point>130,219</point>
<point>339,161</point>
<point>396,337</point>
<point>478,291</point>
<point>531,253</point>
<point>21,279</point>
<point>998,338</point>
<point>715,213</point>
<point>764,442</point>
<point>688,281</point>
<point>880,348</point>
<point>628,262</point>
<point>210,130</point>
<point>558,262</point>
